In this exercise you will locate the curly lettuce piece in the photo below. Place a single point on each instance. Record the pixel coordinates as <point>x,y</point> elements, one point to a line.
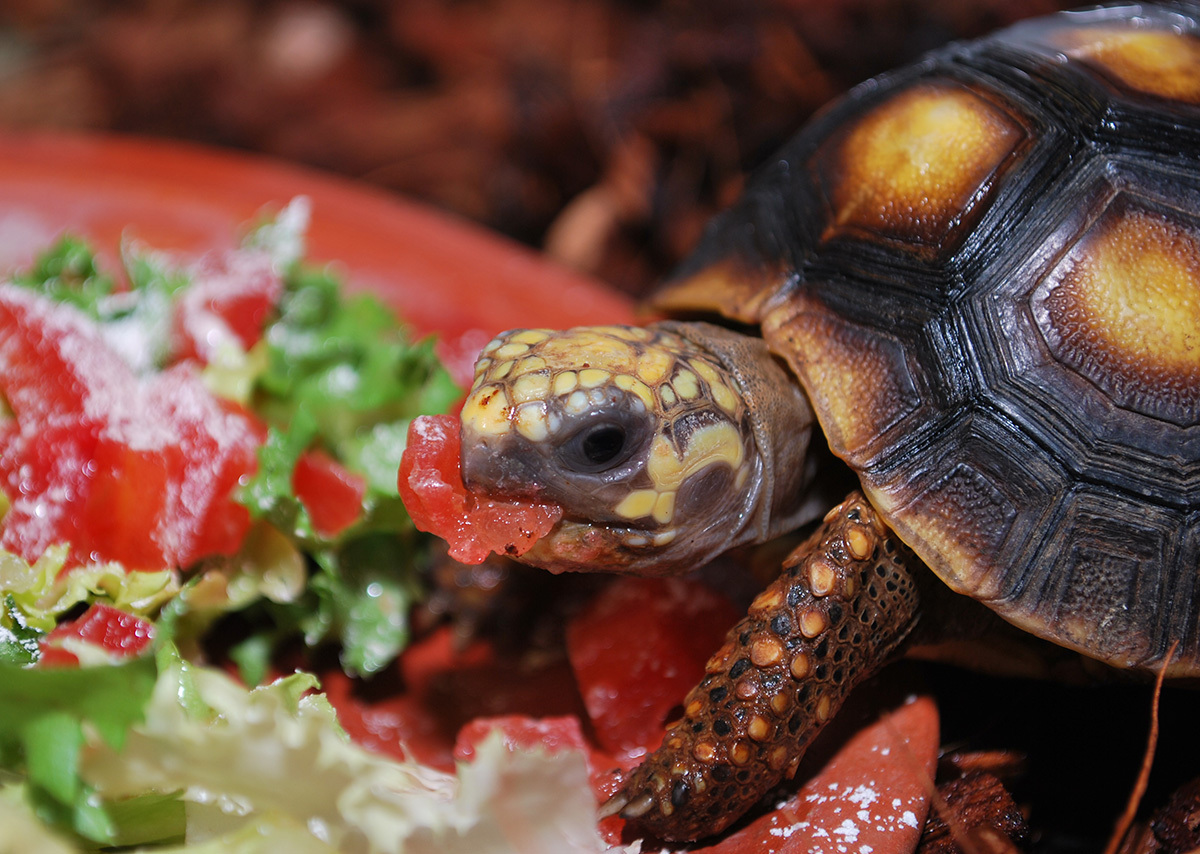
<point>274,757</point>
<point>284,236</point>
<point>43,592</point>
<point>266,834</point>
<point>67,272</point>
<point>343,376</point>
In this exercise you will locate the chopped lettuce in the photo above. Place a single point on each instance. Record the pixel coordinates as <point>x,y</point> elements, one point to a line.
<point>40,593</point>
<point>333,372</point>
<point>341,374</point>
<point>18,639</point>
<point>67,271</point>
<point>366,603</point>
<point>46,715</point>
<point>161,751</point>
<point>164,753</point>
<point>346,366</point>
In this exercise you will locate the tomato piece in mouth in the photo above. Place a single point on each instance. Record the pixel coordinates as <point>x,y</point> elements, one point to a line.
<point>431,486</point>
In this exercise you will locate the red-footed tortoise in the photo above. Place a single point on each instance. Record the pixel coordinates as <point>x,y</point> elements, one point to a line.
<point>980,275</point>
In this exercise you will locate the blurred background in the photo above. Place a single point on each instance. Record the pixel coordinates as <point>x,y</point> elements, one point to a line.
<point>603,132</point>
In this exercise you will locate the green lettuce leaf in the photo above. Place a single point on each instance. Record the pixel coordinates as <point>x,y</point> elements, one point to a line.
<point>18,639</point>
<point>67,271</point>
<point>45,718</point>
<point>342,374</point>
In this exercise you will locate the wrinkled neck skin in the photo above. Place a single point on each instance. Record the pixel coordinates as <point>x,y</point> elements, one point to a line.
<point>717,458</point>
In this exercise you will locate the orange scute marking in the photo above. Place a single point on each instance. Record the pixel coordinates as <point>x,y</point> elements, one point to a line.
<point>1123,308</point>
<point>431,486</point>
<point>1155,62</point>
<point>915,165</point>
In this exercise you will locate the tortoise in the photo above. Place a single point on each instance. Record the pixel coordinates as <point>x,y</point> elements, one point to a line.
<point>979,278</point>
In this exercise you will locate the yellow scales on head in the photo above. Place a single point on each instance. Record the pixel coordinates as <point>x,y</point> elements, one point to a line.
<point>643,419</point>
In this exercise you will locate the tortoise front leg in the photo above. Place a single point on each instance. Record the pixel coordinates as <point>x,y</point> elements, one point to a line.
<point>845,601</point>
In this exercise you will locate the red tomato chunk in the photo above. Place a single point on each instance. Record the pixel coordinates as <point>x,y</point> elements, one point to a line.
<point>128,468</point>
<point>116,632</point>
<point>226,304</point>
<point>636,650</point>
<point>331,493</point>
<point>521,732</point>
<point>431,485</point>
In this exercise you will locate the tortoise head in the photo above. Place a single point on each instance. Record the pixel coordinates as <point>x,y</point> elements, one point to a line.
<point>665,446</point>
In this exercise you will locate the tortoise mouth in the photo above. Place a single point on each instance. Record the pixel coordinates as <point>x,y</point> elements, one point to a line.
<point>575,544</point>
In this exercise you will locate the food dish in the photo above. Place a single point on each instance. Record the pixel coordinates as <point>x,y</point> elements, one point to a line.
<point>299,785</point>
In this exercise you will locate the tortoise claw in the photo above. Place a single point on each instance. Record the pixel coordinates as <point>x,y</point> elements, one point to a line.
<point>613,806</point>
<point>638,807</point>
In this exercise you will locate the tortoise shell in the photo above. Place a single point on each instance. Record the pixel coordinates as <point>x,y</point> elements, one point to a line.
<point>985,271</point>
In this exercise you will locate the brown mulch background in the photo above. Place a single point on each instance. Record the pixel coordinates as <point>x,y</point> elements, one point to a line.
<point>602,132</point>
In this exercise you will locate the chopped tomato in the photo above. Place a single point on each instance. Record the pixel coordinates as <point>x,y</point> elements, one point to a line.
<point>870,797</point>
<point>56,656</point>
<point>394,722</point>
<point>521,732</point>
<point>54,360</point>
<point>228,301</point>
<point>330,493</point>
<point>431,485</point>
<point>446,686</point>
<point>638,648</point>
<point>128,468</point>
<point>115,633</point>
<point>126,488</point>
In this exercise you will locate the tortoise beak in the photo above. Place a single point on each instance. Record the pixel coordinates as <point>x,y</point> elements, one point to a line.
<point>499,466</point>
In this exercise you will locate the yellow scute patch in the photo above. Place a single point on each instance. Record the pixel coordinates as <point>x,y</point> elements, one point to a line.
<point>717,443</point>
<point>487,411</point>
<point>686,385</point>
<point>652,365</point>
<point>1142,288</point>
<point>1158,62</point>
<point>637,504</point>
<point>531,387</point>
<point>531,336</point>
<point>916,162</point>
<point>1123,308</point>
<point>637,387</point>
<point>531,421</point>
<point>602,351</point>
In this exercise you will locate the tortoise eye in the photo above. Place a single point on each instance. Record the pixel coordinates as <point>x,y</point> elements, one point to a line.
<point>599,447</point>
<point>603,444</point>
